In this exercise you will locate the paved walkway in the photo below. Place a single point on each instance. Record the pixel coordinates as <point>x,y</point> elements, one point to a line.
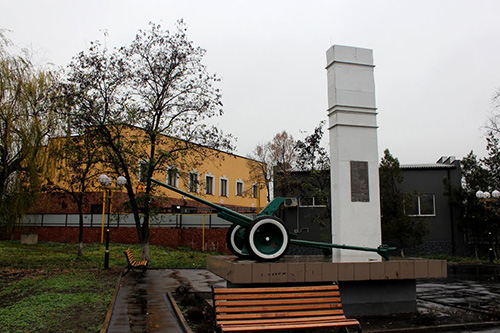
<point>141,305</point>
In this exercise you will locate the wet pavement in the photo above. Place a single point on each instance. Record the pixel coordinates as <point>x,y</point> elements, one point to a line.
<point>474,287</point>
<point>469,294</point>
<point>141,305</point>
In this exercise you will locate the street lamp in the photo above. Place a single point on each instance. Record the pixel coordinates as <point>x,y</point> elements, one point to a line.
<point>485,197</point>
<point>121,181</point>
<point>105,182</point>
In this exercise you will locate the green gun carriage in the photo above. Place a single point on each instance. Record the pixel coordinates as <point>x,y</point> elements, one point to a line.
<point>264,238</point>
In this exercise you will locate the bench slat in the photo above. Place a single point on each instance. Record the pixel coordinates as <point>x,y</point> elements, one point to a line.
<point>274,289</point>
<point>274,308</point>
<point>276,296</point>
<point>283,320</point>
<point>277,301</point>
<point>279,314</point>
<point>287,326</point>
<point>300,321</point>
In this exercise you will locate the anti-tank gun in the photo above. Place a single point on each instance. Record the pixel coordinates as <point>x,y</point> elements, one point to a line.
<point>266,237</point>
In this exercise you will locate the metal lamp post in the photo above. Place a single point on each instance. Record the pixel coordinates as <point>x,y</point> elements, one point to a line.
<point>105,182</point>
<point>485,197</point>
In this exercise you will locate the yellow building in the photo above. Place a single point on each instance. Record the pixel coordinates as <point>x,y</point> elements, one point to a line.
<point>219,177</point>
<point>225,180</point>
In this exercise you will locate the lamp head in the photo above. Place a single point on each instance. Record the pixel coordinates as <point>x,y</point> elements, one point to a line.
<point>121,181</point>
<point>104,180</point>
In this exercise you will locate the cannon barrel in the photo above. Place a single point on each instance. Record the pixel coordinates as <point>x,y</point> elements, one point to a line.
<point>223,212</point>
<point>382,250</point>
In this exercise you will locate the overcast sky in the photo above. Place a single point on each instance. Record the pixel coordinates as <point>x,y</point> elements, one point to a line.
<point>437,62</point>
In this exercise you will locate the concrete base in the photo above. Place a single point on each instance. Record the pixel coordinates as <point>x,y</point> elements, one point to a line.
<point>382,297</point>
<point>367,288</point>
<point>29,239</point>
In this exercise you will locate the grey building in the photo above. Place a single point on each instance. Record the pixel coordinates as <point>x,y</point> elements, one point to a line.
<point>308,214</point>
<point>309,219</point>
<point>425,181</point>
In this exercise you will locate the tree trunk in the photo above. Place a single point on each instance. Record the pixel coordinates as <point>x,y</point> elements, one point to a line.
<point>145,237</point>
<point>80,228</point>
<point>402,252</point>
<point>142,235</point>
<point>144,228</point>
<point>145,251</point>
<point>80,249</point>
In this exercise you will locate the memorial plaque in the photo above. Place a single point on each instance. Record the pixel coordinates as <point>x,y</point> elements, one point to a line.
<point>359,182</point>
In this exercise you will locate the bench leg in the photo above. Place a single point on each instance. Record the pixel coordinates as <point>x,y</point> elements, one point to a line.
<point>128,270</point>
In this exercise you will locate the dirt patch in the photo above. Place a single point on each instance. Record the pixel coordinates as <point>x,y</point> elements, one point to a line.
<point>8,276</point>
<point>86,315</point>
<point>195,308</point>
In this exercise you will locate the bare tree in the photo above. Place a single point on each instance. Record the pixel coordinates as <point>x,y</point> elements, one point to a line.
<point>149,101</point>
<point>259,165</point>
<point>282,151</point>
<point>277,159</point>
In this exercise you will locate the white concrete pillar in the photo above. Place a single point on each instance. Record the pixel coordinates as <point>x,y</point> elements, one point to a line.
<point>353,152</point>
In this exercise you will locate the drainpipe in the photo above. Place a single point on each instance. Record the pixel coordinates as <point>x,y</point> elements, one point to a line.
<point>452,222</point>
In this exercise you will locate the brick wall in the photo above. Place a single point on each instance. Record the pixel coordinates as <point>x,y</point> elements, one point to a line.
<point>215,239</point>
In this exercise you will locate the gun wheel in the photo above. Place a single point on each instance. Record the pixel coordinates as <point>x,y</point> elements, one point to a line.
<point>267,238</point>
<point>235,240</point>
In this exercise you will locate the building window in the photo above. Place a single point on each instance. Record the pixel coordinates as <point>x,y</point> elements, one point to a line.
<point>422,205</point>
<point>209,184</point>
<point>239,188</point>
<point>255,191</point>
<point>172,176</point>
<point>312,202</point>
<point>143,170</point>
<point>223,187</point>
<point>193,182</point>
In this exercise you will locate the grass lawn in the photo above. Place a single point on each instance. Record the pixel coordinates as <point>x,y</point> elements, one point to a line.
<point>47,288</point>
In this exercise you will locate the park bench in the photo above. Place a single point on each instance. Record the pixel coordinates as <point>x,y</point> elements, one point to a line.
<point>133,264</point>
<point>279,308</point>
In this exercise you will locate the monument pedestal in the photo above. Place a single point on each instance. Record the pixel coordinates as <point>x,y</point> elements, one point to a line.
<point>367,288</point>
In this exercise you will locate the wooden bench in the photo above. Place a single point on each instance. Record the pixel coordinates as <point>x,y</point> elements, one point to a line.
<point>133,264</point>
<point>280,308</point>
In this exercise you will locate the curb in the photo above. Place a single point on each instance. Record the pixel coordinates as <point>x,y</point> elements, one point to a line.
<point>111,306</point>
<point>170,298</point>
